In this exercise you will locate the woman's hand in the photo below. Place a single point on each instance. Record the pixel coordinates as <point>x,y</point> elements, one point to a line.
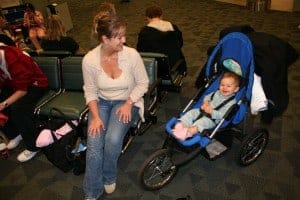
<point>95,127</point>
<point>124,112</point>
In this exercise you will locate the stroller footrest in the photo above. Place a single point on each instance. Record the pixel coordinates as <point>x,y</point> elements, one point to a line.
<point>215,149</point>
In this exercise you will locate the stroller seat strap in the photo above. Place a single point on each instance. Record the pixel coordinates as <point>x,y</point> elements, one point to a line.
<point>203,113</point>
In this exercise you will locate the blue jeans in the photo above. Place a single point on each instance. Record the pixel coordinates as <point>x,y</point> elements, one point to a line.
<point>103,150</point>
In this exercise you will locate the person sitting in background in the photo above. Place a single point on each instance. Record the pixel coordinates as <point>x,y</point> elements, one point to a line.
<point>161,36</point>
<point>5,36</point>
<point>34,22</point>
<point>22,84</point>
<point>105,8</point>
<point>56,37</point>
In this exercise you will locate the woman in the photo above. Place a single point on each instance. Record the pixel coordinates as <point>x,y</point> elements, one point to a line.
<point>115,80</point>
<point>34,22</point>
<point>22,84</point>
<point>56,37</point>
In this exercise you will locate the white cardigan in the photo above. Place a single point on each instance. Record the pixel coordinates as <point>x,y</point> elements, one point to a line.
<point>133,71</point>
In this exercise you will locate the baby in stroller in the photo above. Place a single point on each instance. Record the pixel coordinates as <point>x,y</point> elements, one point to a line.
<point>224,101</point>
<point>212,110</point>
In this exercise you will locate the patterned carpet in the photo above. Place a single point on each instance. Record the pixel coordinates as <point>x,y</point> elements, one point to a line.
<point>274,176</point>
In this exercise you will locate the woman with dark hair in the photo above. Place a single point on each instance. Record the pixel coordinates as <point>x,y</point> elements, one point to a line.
<point>34,22</point>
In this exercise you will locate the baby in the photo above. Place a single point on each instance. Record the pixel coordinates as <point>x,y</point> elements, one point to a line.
<point>211,111</point>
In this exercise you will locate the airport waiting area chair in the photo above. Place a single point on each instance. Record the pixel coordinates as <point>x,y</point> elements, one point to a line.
<point>151,103</point>
<point>66,89</point>
<point>50,53</point>
<point>51,67</point>
<point>170,77</point>
<point>71,99</point>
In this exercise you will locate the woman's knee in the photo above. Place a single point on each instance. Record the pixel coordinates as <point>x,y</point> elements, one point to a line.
<point>40,33</point>
<point>95,142</point>
<point>32,34</point>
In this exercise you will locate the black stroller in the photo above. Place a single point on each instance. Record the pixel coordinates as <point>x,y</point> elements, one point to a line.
<point>160,167</point>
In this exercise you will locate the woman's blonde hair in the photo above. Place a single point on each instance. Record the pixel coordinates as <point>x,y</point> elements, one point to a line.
<point>55,28</point>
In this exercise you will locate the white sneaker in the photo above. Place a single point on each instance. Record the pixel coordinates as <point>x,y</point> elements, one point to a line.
<point>110,188</point>
<point>2,146</point>
<point>26,155</point>
<point>13,143</point>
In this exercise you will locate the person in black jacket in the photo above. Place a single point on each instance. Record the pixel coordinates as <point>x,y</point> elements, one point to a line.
<point>273,56</point>
<point>161,36</point>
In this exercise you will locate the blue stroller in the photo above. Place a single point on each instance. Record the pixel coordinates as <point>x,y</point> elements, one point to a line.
<point>160,167</point>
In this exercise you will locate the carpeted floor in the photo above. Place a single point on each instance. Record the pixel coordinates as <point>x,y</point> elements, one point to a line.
<point>274,176</point>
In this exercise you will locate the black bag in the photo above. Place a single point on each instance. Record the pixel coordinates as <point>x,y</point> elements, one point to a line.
<point>59,153</point>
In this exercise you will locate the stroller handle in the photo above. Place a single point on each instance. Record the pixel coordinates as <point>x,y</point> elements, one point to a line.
<point>203,141</point>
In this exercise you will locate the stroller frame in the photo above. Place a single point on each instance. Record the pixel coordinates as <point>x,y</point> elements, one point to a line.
<point>161,166</point>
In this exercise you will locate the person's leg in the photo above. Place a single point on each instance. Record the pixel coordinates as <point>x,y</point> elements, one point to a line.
<point>115,133</point>
<point>9,129</point>
<point>189,117</point>
<point>204,123</point>
<point>95,157</point>
<point>93,181</point>
<point>23,117</point>
<point>93,178</point>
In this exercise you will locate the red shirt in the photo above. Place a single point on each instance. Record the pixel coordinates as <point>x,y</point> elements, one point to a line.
<point>23,70</point>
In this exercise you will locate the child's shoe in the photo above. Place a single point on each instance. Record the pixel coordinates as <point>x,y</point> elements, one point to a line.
<point>180,131</point>
<point>26,155</point>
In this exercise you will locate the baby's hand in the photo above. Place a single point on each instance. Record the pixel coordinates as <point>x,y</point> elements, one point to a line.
<point>206,107</point>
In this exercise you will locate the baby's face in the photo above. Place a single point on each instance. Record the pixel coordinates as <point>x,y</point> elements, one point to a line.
<point>228,86</point>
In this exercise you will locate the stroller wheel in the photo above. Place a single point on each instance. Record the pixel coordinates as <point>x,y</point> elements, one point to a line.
<point>253,146</point>
<point>157,171</point>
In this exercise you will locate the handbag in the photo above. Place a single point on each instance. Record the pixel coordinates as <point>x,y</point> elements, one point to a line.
<point>63,152</point>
